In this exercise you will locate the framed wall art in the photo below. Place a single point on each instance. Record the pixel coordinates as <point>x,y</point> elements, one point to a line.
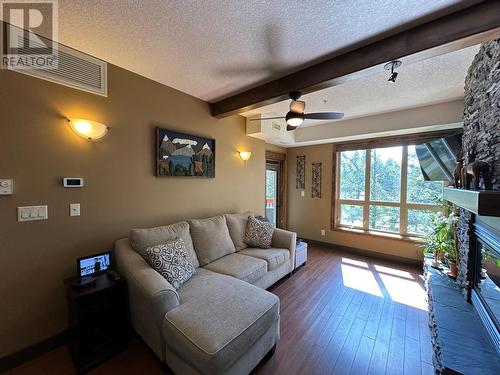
<point>184,155</point>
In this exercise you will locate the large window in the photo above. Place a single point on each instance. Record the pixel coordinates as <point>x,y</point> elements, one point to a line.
<point>383,190</point>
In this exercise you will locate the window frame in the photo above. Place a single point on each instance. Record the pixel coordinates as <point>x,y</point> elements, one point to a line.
<point>403,205</point>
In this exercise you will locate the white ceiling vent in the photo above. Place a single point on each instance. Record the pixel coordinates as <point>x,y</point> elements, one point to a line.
<point>74,69</point>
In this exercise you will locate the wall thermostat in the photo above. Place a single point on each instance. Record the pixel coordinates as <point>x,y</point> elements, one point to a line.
<point>73,182</point>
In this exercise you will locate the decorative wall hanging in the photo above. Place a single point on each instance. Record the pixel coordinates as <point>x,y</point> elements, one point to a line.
<point>316,180</point>
<point>300,182</point>
<point>179,154</point>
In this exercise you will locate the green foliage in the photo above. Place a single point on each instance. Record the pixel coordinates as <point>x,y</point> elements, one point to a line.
<point>385,174</point>
<point>442,237</point>
<point>419,221</point>
<point>270,184</point>
<point>351,215</point>
<point>352,174</point>
<point>384,218</point>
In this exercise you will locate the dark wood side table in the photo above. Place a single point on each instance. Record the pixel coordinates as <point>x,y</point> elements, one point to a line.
<point>98,321</point>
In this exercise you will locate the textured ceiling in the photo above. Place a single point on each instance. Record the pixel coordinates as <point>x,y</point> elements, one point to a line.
<point>212,48</point>
<point>426,82</point>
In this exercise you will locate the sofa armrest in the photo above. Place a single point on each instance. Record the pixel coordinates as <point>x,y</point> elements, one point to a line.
<point>151,296</point>
<point>284,239</point>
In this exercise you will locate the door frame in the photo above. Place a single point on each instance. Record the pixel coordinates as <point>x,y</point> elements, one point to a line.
<point>279,159</point>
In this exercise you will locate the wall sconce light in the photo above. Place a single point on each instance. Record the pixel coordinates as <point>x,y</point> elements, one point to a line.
<point>90,130</point>
<point>245,155</point>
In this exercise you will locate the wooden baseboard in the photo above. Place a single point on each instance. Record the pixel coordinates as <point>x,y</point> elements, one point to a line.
<point>367,253</point>
<point>31,352</point>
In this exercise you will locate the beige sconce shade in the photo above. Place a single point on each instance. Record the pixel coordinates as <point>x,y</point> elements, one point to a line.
<point>245,155</point>
<point>88,129</point>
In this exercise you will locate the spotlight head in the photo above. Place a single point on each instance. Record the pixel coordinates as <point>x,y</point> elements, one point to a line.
<point>391,66</point>
<point>393,77</point>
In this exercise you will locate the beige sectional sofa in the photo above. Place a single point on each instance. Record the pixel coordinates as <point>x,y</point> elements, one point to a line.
<point>222,320</point>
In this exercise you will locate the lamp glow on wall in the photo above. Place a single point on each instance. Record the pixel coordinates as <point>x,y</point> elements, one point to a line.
<point>91,130</point>
<point>245,155</point>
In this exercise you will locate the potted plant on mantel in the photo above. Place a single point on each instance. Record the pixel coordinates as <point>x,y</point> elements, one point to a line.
<point>441,242</point>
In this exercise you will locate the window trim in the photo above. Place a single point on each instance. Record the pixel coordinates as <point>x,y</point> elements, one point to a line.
<point>403,205</point>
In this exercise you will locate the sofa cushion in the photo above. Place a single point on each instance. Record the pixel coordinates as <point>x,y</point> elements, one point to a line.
<point>237,224</point>
<point>141,239</point>
<point>242,267</point>
<point>172,262</point>
<point>211,239</point>
<point>273,257</point>
<point>219,320</point>
<point>258,233</point>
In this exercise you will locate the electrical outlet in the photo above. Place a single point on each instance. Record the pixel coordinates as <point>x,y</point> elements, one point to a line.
<point>323,232</point>
<point>74,209</point>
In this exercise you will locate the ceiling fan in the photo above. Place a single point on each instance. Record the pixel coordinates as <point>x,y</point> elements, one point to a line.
<point>296,115</point>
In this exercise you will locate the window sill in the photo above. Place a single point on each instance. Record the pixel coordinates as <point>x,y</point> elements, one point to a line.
<point>394,236</point>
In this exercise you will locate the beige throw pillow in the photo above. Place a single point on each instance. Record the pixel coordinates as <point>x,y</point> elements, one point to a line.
<point>141,239</point>
<point>237,225</point>
<point>211,239</point>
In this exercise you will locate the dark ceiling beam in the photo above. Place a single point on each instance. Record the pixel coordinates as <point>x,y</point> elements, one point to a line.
<point>450,32</point>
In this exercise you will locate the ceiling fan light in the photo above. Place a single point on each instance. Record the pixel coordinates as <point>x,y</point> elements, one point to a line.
<point>294,119</point>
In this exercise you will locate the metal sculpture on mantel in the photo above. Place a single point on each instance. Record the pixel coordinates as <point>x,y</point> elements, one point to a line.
<point>474,172</point>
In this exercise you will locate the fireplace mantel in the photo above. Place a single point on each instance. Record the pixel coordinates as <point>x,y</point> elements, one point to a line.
<point>480,202</point>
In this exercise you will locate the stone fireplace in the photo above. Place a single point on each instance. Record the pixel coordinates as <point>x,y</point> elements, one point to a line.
<point>482,137</point>
<point>465,331</point>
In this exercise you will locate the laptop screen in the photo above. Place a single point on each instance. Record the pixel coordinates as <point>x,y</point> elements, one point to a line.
<point>94,264</point>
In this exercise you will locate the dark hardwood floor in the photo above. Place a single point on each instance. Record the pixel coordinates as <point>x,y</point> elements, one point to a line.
<point>340,314</point>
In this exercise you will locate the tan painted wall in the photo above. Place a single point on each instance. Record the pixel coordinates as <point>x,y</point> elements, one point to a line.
<point>307,216</point>
<point>37,149</point>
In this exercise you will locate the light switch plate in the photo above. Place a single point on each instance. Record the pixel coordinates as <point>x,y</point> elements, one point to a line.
<point>74,209</point>
<point>302,193</point>
<point>6,186</point>
<point>30,213</point>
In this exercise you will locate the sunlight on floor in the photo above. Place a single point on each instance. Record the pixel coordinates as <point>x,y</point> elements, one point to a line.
<point>394,271</point>
<point>355,262</point>
<point>405,291</point>
<point>360,279</point>
<point>400,285</point>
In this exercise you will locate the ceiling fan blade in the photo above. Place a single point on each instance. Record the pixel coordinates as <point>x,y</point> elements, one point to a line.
<point>297,106</point>
<point>324,116</point>
<point>267,118</point>
<point>290,128</point>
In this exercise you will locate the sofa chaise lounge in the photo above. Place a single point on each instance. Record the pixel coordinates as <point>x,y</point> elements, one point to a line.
<point>222,320</point>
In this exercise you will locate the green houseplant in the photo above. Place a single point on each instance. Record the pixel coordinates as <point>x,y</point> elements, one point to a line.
<point>441,240</point>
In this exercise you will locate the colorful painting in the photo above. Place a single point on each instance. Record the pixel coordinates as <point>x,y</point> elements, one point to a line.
<point>180,154</point>
<point>316,180</point>
<point>300,180</point>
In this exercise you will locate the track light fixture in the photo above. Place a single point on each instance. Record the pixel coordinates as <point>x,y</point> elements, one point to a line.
<point>391,66</point>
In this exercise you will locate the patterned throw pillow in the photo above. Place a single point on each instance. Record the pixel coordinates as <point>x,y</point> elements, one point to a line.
<point>258,233</point>
<point>172,261</point>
